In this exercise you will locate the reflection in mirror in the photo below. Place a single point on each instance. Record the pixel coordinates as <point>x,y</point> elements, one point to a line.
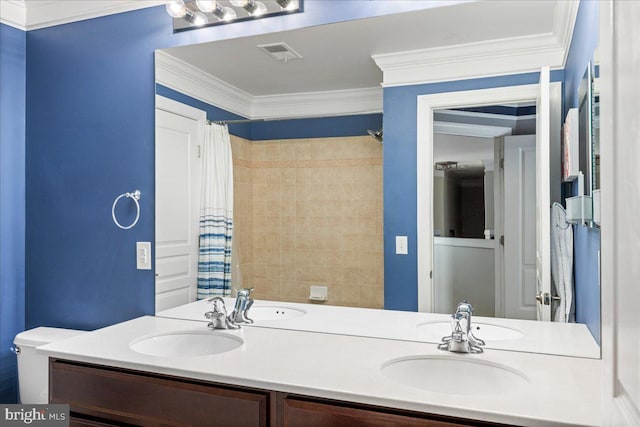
<point>596,141</point>
<point>308,192</point>
<point>468,189</point>
<point>587,142</point>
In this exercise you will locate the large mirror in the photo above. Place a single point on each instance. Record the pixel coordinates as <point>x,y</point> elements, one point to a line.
<point>307,144</point>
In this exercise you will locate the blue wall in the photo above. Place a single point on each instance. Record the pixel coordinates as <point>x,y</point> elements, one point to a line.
<point>324,127</point>
<point>12,201</point>
<point>213,112</point>
<point>90,124</point>
<point>90,137</point>
<point>400,177</point>
<point>586,240</point>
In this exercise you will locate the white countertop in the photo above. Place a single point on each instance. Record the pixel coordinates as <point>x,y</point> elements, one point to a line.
<point>560,391</point>
<point>569,339</point>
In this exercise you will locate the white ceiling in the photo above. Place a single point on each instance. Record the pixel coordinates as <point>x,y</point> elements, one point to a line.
<point>462,149</point>
<point>339,56</point>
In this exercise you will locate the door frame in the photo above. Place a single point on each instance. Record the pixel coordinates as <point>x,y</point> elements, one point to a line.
<point>424,157</point>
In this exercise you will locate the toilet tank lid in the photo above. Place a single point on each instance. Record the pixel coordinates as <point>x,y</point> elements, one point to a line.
<point>43,335</point>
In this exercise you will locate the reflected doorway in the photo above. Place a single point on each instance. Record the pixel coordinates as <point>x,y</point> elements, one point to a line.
<point>484,177</point>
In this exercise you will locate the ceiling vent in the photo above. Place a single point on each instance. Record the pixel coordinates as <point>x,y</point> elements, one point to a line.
<point>280,51</point>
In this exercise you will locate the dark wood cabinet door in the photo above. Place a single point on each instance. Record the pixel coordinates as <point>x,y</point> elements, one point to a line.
<point>136,398</point>
<point>297,411</point>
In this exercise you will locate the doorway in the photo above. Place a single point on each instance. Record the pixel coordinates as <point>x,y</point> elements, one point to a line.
<point>547,180</point>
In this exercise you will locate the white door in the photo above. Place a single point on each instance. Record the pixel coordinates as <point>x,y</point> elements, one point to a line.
<point>543,198</point>
<point>178,171</point>
<point>520,226</point>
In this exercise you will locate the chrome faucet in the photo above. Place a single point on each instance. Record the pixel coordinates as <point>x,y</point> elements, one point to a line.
<point>243,304</point>
<point>462,339</point>
<point>218,315</point>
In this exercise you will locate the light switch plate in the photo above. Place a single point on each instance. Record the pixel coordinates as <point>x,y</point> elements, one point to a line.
<point>402,245</point>
<point>143,255</point>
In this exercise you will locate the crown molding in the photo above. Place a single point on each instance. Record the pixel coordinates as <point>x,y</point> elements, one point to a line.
<point>13,13</point>
<point>464,129</point>
<point>563,24</point>
<point>185,78</point>
<point>192,81</point>
<point>50,13</point>
<point>33,15</point>
<point>471,60</point>
<point>318,104</point>
<point>483,59</point>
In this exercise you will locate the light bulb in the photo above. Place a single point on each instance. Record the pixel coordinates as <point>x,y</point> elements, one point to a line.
<point>259,9</point>
<point>176,8</point>
<point>198,19</point>
<point>229,14</point>
<point>206,5</point>
<point>239,3</point>
<point>288,4</point>
<point>225,13</point>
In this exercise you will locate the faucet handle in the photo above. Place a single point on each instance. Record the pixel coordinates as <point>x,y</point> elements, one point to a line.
<point>243,304</point>
<point>245,315</point>
<point>218,305</point>
<point>244,292</point>
<point>218,315</point>
<point>464,306</point>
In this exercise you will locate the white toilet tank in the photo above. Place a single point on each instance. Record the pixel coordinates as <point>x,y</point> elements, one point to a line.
<point>33,368</point>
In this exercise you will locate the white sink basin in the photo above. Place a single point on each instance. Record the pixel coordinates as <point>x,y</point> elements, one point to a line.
<point>262,313</point>
<point>186,344</point>
<point>434,331</point>
<point>454,375</point>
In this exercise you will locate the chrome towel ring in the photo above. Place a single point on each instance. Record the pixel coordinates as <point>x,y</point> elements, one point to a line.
<point>135,196</point>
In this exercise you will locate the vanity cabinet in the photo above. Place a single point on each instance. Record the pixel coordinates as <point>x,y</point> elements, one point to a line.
<point>102,396</point>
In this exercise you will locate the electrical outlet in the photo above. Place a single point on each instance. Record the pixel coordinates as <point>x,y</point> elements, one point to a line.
<point>143,255</point>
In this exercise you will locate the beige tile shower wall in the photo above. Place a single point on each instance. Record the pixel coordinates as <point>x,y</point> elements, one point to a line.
<point>317,219</point>
<point>242,211</point>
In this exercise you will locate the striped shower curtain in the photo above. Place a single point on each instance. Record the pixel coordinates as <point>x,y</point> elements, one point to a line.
<point>216,214</point>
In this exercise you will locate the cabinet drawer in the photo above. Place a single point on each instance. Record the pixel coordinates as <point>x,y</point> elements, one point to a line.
<point>296,411</point>
<point>149,399</point>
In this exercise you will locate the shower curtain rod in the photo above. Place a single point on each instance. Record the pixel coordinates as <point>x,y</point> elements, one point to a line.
<point>237,121</point>
<point>275,119</point>
<point>231,122</point>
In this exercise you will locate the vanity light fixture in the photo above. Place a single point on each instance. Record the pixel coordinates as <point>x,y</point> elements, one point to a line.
<point>190,14</point>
